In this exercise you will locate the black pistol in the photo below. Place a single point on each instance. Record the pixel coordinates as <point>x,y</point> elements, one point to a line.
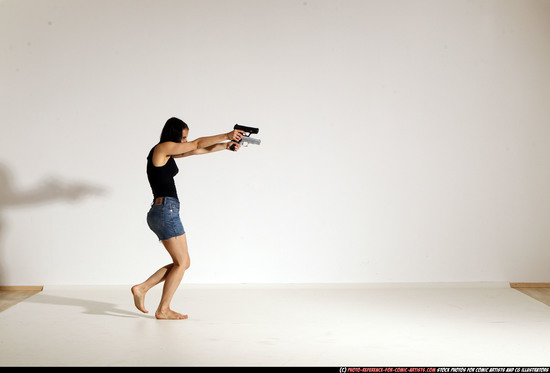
<point>246,139</point>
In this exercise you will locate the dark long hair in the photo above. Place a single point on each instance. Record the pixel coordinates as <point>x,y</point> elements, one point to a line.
<point>172,130</point>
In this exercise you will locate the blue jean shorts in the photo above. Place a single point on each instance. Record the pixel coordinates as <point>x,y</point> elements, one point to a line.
<point>164,219</point>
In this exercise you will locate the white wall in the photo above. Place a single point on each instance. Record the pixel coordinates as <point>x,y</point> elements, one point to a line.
<point>402,141</point>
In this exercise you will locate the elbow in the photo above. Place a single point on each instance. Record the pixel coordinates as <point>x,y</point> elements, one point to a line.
<point>202,144</point>
<point>195,145</point>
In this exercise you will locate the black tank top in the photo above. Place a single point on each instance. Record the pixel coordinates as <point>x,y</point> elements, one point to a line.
<point>161,179</point>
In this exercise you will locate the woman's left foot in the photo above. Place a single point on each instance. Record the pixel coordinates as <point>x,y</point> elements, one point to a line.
<point>139,298</point>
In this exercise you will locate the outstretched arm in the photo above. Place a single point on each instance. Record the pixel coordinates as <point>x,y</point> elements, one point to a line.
<point>177,149</point>
<point>210,149</point>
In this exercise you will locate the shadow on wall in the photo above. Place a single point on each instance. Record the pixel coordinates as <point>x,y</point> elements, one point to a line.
<point>49,191</point>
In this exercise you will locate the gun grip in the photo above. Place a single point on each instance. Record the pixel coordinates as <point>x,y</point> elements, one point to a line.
<point>232,147</point>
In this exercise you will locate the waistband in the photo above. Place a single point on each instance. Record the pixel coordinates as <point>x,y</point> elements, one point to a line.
<point>164,200</point>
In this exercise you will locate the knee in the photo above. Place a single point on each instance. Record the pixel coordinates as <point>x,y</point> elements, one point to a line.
<point>183,265</point>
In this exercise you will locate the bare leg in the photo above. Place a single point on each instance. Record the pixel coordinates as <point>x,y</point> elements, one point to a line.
<point>140,290</point>
<point>177,248</point>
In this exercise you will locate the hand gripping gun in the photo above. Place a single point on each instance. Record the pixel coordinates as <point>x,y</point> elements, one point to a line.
<point>246,139</point>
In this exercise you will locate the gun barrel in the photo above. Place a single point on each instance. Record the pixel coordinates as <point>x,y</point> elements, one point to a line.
<point>251,130</point>
<point>251,140</point>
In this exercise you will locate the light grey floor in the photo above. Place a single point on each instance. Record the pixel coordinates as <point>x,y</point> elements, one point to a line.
<point>280,325</point>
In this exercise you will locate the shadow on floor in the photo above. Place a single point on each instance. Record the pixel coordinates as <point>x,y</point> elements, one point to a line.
<point>89,307</point>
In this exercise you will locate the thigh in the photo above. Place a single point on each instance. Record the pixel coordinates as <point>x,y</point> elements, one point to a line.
<point>177,248</point>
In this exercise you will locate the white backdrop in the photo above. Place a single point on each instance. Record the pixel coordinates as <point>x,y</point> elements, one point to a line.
<point>402,141</point>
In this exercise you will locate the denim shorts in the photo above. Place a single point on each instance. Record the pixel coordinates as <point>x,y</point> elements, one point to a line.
<point>164,219</point>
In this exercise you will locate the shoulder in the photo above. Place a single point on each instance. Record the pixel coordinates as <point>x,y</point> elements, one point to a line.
<point>170,148</point>
<point>167,146</point>
<point>164,148</point>
<point>160,153</point>
<point>151,151</point>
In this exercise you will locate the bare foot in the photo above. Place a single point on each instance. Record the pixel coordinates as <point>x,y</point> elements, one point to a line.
<point>169,315</point>
<point>139,298</point>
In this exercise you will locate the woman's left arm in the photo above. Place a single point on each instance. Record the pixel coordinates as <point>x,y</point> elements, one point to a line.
<point>210,149</point>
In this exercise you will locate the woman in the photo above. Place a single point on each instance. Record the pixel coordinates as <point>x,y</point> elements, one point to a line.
<point>163,217</point>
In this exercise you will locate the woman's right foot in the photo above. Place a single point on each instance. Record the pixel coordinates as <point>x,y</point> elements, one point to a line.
<point>169,315</point>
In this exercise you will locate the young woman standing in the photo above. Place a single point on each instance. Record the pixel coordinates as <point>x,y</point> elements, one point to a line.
<point>163,217</point>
